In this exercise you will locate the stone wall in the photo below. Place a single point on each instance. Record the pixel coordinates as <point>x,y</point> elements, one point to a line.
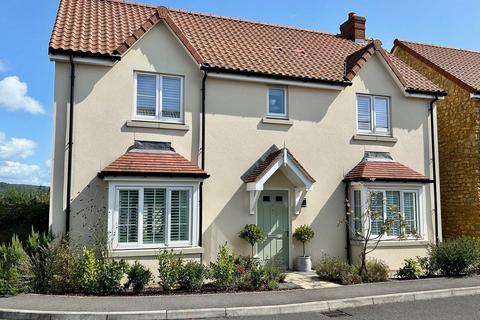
<point>458,140</point>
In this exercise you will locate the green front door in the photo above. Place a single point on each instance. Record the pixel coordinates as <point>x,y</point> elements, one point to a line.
<point>272,210</point>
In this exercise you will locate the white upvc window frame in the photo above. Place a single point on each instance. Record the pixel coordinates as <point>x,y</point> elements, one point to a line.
<point>113,213</point>
<point>373,128</point>
<point>159,101</point>
<point>366,188</point>
<point>285,99</point>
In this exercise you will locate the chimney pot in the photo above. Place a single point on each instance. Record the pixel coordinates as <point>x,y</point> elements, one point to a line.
<point>354,28</point>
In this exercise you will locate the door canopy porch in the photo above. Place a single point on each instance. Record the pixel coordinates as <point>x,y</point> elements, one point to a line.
<point>265,167</point>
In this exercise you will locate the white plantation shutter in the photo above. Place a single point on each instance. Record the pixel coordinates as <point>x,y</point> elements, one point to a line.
<point>376,211</point>
<point>128,216</point>
<point>381,114</point>
<point>171,98</point>
<point>146,95</point>
<point>364,116</point>
<point>179,215</point>
<point>410,211</point>
<point>393,210</point>
<point>154,213</point>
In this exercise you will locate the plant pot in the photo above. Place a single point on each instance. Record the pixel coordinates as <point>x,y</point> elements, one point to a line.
<point>304,264</point>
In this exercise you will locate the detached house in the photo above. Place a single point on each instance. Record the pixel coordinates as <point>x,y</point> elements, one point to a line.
<point>174,129</point>
<point>457,71</point>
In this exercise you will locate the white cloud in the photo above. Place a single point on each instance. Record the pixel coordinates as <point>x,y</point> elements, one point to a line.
<point>11,148</point>
<point>13,96</point>
<point>48,164</point>
<point>3,68</point>
<point>17,172</point>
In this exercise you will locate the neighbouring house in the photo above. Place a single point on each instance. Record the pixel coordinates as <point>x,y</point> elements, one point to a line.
<point>457,72</point>
<point>174,129</point>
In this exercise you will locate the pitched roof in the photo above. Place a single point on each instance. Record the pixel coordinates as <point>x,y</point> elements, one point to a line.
<point>109,27</point>
<point>460,65</point>
<point>164,163</point>
<point>371,170</point>
<point>267,161</point>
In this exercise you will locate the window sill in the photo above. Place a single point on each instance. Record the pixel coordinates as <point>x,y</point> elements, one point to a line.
<point>157,125</point>
<point>267,120</point>
<point>368,137</point>
<point>394,243</point>
<point>127,253</point>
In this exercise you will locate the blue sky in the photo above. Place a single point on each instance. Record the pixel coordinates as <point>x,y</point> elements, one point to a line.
<point>26,74</point>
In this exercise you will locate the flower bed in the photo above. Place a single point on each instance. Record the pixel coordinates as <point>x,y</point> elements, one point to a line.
<point>53,266</point>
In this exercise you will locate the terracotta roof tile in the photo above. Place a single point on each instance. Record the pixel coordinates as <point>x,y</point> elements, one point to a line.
<point>153,163</point>
<point>110,27</point>
<point>370,170</point>
<point>459,64</point>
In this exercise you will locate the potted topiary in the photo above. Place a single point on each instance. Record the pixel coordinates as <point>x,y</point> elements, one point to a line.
<point>304,234</point>
<point>252,234</point>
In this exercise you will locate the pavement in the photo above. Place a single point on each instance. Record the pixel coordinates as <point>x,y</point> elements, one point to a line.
<point>454,308</point>
<point>308,280</point>
<point>30,306</point>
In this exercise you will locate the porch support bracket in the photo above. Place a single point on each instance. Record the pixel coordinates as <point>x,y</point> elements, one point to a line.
<point>300,194</point>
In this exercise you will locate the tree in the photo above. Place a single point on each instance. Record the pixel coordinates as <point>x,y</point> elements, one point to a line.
<point>252,234</point>
<point>303,234</point>
<point>374,225</point>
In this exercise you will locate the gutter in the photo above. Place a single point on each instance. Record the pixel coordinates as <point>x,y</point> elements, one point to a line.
<point>202,134</point>
<point>68,208</point>
<point>434,165</point>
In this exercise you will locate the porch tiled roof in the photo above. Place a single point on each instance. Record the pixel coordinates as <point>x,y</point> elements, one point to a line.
<point>110,27</point>
<point>262,166</point>
<point>371,170</point>
<point>153,163</point>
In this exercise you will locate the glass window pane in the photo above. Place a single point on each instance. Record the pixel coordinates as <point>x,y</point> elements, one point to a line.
<point>357,211</point>
<point>128,216</point>
<point>381,114</point>
<point>180,215</point>
<point>146,95</point>
<point>364,117</point>
<point>376,212</point>
<point>171,98</point>
<point>154,208</point>
<point>393,211</point>
<point>276,101</point>
<point>410,212</point>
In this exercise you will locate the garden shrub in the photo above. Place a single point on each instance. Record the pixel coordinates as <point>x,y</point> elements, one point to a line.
<point>252,234</point>
<point>336,270</point>
<point>13,268</point>
<point>264,277</point>
<point>38,251</point>
<point>377,271</point>
<point>169,270</point>
<point>426,266</point>
<point>138,277</point>
<point>456,257</point>
<point>411,269</point>
<point>223,270</point>
<point>193,276</point>
<point>303,234</point>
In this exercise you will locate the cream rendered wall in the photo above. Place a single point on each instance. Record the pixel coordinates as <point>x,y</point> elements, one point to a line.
<point>324,122</point>
<point>103,104</point>
<point>320,138</point>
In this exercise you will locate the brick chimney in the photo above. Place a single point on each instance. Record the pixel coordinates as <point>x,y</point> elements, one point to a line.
<point>354,28</point>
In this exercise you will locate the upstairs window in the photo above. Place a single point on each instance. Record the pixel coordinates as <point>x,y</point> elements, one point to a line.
<point>159,97</point>
<point>373,114</point>
<point>277,103</point>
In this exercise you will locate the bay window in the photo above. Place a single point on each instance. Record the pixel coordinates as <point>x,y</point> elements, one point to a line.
<point>401,206</point>
<point>154,216</point>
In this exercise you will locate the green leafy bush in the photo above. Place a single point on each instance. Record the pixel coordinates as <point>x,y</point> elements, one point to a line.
<point>252,234</point>
<point>264,277</point>
<point>37,248</point>
<point>426,266</point>
<point>138,277</point>
<point>377,271</point>
<point>456,257</point>
<point>193,276</point>
<point>170,268</point>
<point>13,268</point>
<point>223,270</point>
<point>100,274</point>
<point>411,269</point>
<point>303,234</point>
<point>336,270</point>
